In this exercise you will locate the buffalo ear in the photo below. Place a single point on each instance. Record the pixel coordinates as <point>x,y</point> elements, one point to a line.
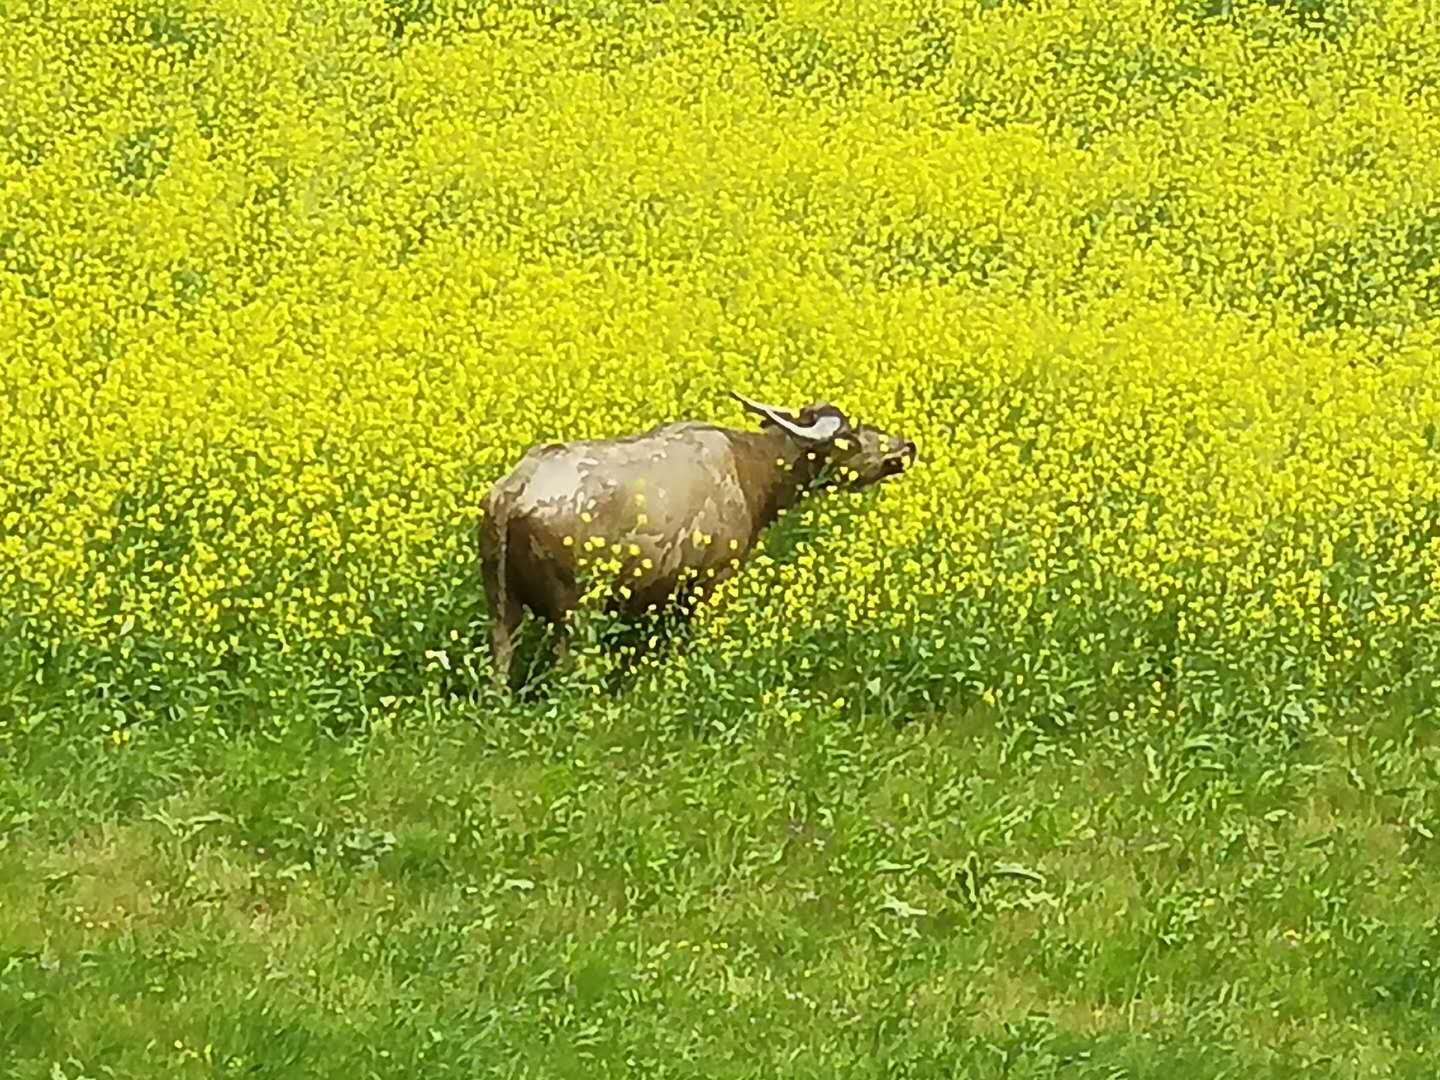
<point>821,424</point>
<point>817,409</point>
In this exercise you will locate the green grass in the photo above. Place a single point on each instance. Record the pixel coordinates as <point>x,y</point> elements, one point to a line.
<point>559,888</point>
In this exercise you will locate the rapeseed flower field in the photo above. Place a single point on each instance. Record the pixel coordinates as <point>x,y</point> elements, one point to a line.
<point>1157,289</point>
<point>1154,285</point>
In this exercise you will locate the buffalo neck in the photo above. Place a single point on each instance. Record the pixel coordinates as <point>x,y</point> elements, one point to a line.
<point>775,472</point>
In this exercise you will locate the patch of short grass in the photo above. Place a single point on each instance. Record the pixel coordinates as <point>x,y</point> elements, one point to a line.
<point>458,897</point>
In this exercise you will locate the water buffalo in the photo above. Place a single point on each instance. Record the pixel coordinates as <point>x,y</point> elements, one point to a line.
<point>673,511</point>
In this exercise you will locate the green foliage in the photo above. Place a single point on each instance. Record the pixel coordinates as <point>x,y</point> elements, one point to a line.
<point>1103,744</point>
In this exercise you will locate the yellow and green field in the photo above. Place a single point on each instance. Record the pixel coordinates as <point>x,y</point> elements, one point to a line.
<point>1104,743</point>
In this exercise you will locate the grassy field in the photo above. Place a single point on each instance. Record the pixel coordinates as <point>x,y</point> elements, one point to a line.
<point>1102,744</point>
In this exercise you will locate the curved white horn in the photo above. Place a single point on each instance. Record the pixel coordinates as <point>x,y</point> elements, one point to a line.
<point>822,430</point>
<point>770,412</point>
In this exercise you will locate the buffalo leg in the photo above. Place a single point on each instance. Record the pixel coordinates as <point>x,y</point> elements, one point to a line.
<point>562,641</point>
<point>505,612</point>
<point>554,597</point>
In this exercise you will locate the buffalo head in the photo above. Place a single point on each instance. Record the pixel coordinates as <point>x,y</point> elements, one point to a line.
<point>855,455</point>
